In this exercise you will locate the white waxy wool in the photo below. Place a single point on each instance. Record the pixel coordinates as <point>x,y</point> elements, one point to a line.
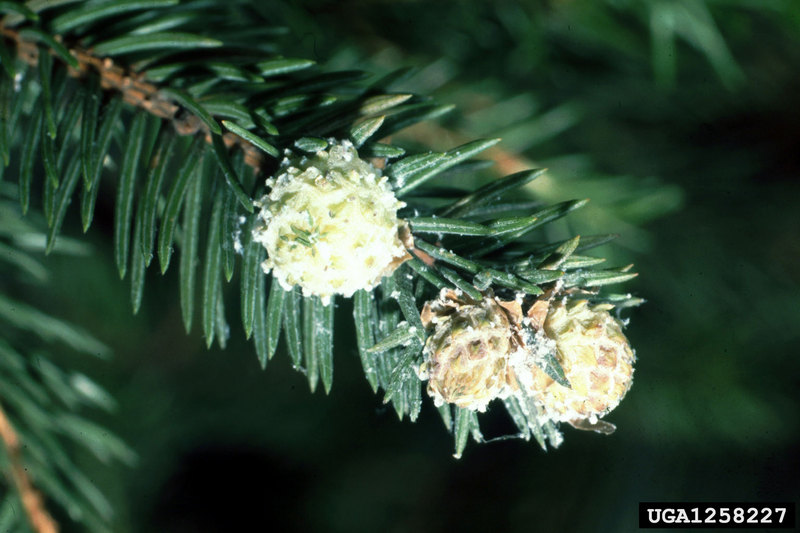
<point>329,224</point>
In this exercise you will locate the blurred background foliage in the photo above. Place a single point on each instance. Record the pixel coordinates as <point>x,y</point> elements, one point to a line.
<point>679,119</point>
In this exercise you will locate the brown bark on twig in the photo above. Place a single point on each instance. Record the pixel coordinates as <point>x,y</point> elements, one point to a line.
<point>135,91</point>
<point>32,500</point>
<point>140,93</point>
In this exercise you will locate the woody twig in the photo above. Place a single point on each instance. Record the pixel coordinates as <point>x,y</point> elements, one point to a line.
<point>32,500</point>
<point>135,91</point>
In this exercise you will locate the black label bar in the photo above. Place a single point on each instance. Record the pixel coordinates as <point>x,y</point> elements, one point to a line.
<point>716,515</point>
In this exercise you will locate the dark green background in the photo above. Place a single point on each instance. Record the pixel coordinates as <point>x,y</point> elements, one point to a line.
<point>698,170</point>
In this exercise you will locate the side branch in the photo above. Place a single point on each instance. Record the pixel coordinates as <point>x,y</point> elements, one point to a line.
<point>40,519</point>
<point>135,91</point>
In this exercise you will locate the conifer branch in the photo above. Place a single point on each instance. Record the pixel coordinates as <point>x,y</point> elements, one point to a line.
<point>135,91</point>
<point>480,245</point>
<point>31,498</point>
<point>430,133</point>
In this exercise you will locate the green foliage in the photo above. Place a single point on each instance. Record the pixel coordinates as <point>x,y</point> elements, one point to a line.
<point>46,404</point>
<point>186,142</point>
<point>291,101</point>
